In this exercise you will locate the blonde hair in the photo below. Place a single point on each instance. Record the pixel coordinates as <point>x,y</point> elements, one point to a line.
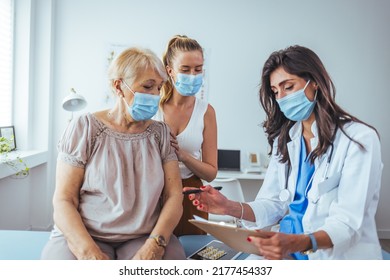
<point>133,61</point>
<point>178,43</point>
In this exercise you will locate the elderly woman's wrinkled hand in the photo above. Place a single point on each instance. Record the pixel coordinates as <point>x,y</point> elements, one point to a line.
<point>150,251</point>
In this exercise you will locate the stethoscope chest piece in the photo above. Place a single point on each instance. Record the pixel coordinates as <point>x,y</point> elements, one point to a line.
<point>284,195</point>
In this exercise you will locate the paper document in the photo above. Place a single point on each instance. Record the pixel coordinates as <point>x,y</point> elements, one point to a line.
<point>197,218</point>
<point>234,237</point>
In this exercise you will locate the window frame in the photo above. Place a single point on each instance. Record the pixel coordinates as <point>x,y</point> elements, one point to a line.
<point>7,99</point>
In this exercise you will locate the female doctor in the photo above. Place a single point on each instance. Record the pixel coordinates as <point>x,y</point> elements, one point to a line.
<point>322,184</point>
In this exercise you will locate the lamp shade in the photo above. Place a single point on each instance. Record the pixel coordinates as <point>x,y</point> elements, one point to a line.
<point>74,102</point>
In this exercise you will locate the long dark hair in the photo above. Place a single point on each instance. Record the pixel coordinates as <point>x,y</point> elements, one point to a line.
<point>330,117</point>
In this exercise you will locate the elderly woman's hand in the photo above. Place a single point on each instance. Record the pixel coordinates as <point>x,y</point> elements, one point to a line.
<point>92,253</point>
<point>150,251</point>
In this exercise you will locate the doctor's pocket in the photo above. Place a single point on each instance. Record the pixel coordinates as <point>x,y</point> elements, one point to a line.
<point>325,193</point>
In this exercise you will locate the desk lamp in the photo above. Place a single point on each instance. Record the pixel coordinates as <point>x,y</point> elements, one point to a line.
<point>74,102</point>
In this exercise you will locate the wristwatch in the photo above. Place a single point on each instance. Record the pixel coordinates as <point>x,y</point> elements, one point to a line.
<point>160,240</point>
<point>314,245</point>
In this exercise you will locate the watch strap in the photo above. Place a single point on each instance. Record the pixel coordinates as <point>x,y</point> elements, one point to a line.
<point>160,240</point>
<point>314,246</point>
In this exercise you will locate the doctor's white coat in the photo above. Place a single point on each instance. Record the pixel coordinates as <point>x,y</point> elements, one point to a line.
<point>343,204</point>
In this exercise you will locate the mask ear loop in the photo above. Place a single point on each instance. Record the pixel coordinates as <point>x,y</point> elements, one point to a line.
<point>124,99</point>
<point>172,80</point>
<point>306,85</point>
<point>315,95</point>
<point>128,87</point>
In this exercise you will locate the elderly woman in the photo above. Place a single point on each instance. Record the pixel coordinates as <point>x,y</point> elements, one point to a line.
<point>118,186</point>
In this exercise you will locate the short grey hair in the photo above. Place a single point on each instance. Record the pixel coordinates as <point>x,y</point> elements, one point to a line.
<point>133,61</point>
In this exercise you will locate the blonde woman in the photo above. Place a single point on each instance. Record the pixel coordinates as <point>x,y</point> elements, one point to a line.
<point>192,121</point>
<point>118,188</point>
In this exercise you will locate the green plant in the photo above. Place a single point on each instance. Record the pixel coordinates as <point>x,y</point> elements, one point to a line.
<point>16,163</point>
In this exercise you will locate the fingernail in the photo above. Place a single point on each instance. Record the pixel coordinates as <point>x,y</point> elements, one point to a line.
<point>191,196</point>
<point>196,202</point>
<point>249,239</point>
<point>201,206</point>
<point>203,187</point>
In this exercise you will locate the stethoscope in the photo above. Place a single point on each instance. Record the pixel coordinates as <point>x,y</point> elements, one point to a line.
<point>284,194</point>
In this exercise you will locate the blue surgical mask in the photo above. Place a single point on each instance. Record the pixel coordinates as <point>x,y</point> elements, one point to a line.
<point>144,106</point>
<point>188,85</point>
<point>296,106</point>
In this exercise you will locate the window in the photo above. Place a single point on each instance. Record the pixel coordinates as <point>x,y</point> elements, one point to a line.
<point>6,58</point>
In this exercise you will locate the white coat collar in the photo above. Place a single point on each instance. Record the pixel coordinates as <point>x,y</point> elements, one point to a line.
<point>296,130</point>
<point>296,134</point>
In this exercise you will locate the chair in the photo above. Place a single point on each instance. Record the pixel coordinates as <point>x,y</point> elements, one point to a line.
<point>231,188</point>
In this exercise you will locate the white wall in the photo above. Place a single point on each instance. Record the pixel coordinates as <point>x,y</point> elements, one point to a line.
<point>351,38</point>
<point>24,203</point>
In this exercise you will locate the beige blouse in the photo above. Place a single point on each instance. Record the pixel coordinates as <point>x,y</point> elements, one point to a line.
<point>124,177</point>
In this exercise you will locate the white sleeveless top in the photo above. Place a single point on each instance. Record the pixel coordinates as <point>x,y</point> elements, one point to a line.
<point>191,138</point>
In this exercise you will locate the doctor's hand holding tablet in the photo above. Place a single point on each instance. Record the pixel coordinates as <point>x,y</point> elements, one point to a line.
<point>323,180</point>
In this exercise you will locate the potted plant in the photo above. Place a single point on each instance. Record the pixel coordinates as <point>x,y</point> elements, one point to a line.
<point>16,163</point>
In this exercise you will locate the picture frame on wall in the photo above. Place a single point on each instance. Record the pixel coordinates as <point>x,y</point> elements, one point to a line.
<point>8,132</point>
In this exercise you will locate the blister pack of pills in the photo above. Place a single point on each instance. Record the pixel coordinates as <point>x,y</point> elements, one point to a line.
<point>215,250</point>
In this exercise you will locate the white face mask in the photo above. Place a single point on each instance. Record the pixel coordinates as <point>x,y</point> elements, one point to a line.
<point>144,106</point>
<point>296,106</point>
<point>188,85</point>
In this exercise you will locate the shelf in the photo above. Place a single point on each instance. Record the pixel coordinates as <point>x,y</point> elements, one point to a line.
<point>32,158</point>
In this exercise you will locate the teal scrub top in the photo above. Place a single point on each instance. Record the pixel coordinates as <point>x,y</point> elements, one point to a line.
<point>292,222</point>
